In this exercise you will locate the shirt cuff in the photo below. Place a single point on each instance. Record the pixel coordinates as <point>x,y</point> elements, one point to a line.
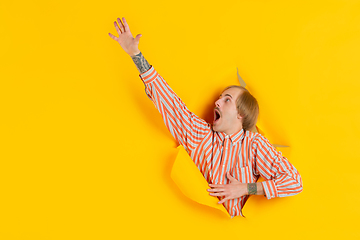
<point>270,189</point>
<point>149,76</point>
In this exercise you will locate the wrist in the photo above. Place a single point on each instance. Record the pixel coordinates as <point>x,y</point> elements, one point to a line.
<point>132,54</point>
<point>251,189</point>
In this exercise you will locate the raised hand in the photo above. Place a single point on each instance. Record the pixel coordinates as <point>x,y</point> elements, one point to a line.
<point>126,39</point>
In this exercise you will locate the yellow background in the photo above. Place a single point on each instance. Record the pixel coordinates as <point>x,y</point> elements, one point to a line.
<point>85,155</point>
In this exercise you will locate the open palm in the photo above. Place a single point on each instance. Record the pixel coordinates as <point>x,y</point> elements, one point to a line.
<point>126,39</point>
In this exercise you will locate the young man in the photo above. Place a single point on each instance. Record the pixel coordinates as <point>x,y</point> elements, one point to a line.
<point>230,157</point>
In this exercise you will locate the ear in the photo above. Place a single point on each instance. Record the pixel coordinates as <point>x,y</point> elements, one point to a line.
<point>240,119</point>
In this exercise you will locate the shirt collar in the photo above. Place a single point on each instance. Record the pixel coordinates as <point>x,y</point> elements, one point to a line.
<point>234,138</point>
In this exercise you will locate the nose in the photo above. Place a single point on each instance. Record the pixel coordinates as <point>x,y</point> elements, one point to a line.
<point>217,103</point>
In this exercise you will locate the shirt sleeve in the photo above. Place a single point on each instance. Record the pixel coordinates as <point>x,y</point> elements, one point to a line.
<point>282,178</point>
<point>187,128</point>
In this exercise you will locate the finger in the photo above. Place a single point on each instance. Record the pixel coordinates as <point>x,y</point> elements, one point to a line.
<point>217,194</point>
<point>127,29</point>
<point>216,185</point>
<point>113,37</point>
<point>121,25</point>
<point>216,190</point>
<point>117,28</point>
<point>223,200</point>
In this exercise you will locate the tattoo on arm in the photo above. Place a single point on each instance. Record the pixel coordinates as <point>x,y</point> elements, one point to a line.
<point>141,63</point>
<point>252,188</point>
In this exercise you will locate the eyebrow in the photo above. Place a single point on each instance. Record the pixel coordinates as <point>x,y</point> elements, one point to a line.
<point>226,95</point>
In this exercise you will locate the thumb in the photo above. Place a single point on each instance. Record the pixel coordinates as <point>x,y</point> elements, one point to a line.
<point>137,38</point>
<point>223,200</point>
<point>230,177</point>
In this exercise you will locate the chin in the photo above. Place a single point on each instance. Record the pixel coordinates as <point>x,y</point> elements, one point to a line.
<point>215,128</point>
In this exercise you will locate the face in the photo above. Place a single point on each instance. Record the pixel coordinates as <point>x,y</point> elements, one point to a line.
<point>226,117</point>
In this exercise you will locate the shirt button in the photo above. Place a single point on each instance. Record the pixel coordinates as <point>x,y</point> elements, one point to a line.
<point>223,165</point>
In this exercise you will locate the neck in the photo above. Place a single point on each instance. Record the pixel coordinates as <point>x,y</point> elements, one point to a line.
<point>232,131</point>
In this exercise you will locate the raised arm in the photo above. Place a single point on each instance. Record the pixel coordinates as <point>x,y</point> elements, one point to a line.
<point>130,44</point>
<point>187,128</point>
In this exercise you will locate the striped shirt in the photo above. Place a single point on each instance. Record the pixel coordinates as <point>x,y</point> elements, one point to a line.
<point>246,155</point>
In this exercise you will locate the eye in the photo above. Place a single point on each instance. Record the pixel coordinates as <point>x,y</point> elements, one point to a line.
<point>227,100</point>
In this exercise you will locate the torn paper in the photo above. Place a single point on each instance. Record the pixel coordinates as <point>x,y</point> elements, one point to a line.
<point>191,182</point>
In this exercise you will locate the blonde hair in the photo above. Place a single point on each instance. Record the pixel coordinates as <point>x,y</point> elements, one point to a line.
<point>248,108</point>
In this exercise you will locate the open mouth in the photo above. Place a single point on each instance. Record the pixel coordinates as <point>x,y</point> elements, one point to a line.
<point>217,114</point>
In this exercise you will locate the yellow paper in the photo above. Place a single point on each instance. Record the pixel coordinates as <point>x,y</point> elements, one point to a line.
<point>191,182</point>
